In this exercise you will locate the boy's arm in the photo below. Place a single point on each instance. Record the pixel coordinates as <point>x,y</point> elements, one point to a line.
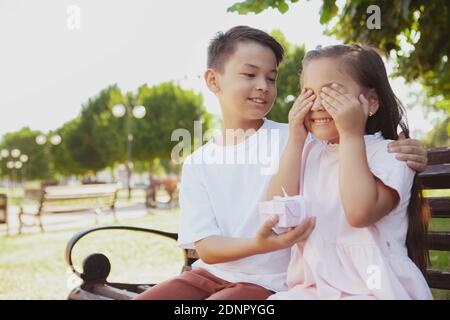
<point>219,249</point>
<point>365,198</point>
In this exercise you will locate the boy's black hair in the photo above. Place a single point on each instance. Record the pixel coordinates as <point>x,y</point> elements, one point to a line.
<point>223,45</point>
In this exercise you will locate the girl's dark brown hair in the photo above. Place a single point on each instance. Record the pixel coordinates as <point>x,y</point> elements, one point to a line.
<point>366,67</point>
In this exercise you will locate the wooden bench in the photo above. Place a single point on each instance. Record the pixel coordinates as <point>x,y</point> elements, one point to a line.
<point>71,199</point>
<point>437,176</point>
<point>96,267</point>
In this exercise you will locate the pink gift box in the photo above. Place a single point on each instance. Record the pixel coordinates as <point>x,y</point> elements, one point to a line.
<point>290,210</point>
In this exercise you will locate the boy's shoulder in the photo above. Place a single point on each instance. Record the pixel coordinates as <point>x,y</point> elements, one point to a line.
<point>276,125</point>
<point>197,155</point>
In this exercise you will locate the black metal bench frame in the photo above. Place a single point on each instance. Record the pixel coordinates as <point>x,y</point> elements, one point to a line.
<point>96,267</point>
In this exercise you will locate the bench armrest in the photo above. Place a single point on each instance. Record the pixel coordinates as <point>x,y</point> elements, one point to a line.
<point>75,238</point>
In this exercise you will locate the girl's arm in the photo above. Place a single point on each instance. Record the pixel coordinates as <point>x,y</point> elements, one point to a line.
<point>288,174</point>
<point>218,249</point>
<point>289,167</point>
<point>365,198</point>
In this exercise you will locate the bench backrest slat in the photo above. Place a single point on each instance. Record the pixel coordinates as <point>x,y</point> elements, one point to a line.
<point>437,176</point>
<point>440,207</point>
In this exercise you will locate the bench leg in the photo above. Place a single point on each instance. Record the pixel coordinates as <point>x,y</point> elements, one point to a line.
<point>113,210</point>
<point>20,220</point>
<point>97,214</point>
<point>41,227</point>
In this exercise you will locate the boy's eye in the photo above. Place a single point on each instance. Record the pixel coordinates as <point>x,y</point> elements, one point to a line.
<point>271,79</point>
<point>250,75</point>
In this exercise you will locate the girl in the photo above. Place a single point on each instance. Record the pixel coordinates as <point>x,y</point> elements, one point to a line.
<point>371,222</point>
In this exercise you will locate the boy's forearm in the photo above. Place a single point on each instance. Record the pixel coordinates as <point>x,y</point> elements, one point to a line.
<point>288,174</point>
<point>218,249</point>
<point>356,182</point>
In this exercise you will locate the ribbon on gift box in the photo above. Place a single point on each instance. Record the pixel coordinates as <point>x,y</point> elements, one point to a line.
<point>286,197</point>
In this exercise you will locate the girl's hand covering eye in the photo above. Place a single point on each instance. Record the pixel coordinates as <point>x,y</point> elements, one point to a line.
<point>349,113</point>
<point>297,114</point>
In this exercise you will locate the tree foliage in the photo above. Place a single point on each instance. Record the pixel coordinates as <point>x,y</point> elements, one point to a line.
<point>288,86</point>
<point>38,164</point>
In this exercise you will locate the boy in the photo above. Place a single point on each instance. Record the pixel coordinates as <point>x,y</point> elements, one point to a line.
<point>219,198</point>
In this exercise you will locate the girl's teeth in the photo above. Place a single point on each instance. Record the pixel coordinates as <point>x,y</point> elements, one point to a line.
<point>322,120</point>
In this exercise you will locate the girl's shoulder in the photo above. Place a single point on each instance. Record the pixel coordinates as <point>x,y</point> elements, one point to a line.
<point>386,167</point>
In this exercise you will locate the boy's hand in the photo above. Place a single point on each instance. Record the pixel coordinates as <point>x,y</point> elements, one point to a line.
<point>297,114</point>
<point>348,112</point>
<point>267,240</point>
<point>410,150</point>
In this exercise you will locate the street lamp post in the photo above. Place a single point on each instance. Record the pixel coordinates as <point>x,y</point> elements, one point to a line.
<point>54,140</point>
<point>15,161</point>
<point>137,112</point>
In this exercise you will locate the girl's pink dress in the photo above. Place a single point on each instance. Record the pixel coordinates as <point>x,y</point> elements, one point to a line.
<point>339,261</point>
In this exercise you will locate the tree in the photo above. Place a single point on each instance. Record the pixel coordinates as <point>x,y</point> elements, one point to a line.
<point>288,85</point>
<point>63,161</point>
<point>440,134</point>
<point>169,107</point>
<point>94,140</point>
<point>38,164</point>
<point>420,25</point>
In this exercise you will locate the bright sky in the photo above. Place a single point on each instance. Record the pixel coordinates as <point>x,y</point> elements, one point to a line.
<point>48,70</point>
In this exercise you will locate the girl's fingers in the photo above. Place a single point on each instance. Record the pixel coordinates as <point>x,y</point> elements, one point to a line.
<point>330,108</point>
<point>335,103</point>
<point>335,95</point>
<point>303,111</point>
<point>339,88</point>
<point>302,104</point>
<point>308,100</point>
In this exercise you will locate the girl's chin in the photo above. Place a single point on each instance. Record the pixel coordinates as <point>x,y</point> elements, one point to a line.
<point>332,138</point>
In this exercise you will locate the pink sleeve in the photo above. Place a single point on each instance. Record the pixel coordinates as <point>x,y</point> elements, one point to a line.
<point>392,172</point>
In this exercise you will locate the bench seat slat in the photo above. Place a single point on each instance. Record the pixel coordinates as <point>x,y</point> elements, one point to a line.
<point>50,197</point>
<point>68,209</point>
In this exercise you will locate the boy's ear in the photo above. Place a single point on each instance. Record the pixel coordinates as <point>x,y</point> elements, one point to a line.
<point>374,103</point>
<point>211,79</point>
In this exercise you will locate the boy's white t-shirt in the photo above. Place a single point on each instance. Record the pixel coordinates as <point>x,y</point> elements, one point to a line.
<point>221,187</point>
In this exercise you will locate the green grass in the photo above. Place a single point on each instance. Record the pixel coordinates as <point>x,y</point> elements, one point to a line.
<point>33,266</point>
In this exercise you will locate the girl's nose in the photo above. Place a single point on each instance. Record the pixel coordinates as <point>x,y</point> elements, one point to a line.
<point>317,105</point>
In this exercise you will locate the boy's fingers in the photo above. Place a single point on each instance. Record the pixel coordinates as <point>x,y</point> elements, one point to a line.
<point>416,166</point>
<point>307,233</point>
<point>408,150</point>
<point>266,228</point>
<point>406,142</point>
<point>300,230</point>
